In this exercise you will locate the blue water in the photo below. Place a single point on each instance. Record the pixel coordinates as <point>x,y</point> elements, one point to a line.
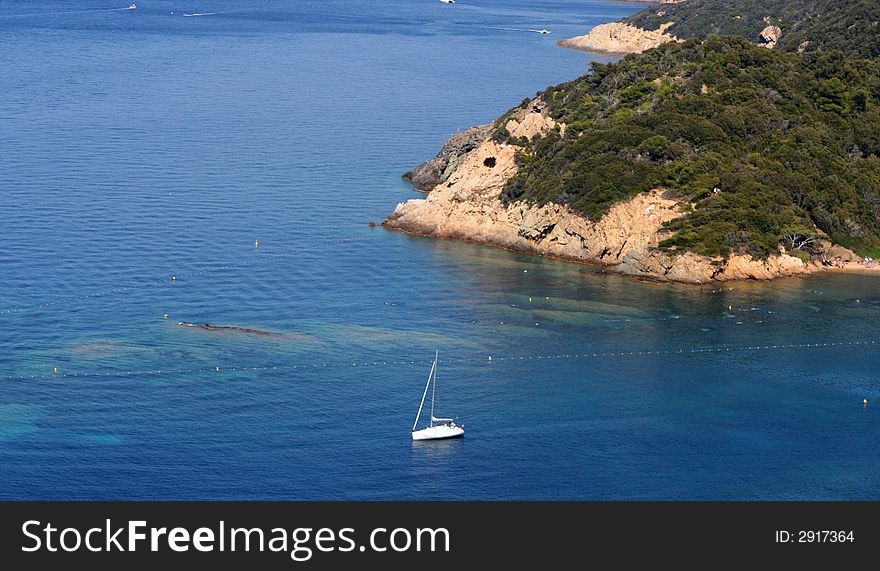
<point>140,145</point>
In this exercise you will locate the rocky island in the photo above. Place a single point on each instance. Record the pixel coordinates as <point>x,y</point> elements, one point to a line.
<point>698,160</point>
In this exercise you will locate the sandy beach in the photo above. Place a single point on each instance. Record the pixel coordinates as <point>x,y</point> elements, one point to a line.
<point>857,268</point>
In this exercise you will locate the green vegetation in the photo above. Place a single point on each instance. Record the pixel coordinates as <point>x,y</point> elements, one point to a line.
<point>703,18</point>
<point>762,144</point>
<point>847,25</point>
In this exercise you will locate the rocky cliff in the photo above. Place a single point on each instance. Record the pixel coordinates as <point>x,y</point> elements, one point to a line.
<point>433,172</point>
<point>466,205</point>
<point>618,37</point>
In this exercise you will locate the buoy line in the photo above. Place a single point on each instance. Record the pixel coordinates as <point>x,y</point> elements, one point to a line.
<point>485,358</point>
<point>168,280</point>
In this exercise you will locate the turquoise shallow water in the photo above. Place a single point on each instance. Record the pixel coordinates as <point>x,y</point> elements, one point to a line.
<point>143,145</point>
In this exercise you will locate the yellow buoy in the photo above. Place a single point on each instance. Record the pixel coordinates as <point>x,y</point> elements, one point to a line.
<point>729,308</point>
<point>55,371</point>
<point>530,299</point>
<point>256,243</point>
<point>865,402</point>
<point>218,369</point>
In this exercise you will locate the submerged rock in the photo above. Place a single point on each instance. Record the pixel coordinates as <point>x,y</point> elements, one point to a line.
<point>230,329</point>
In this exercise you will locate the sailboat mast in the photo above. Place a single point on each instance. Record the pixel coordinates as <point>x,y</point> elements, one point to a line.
<point>434,387</point>
<point>424,394</point>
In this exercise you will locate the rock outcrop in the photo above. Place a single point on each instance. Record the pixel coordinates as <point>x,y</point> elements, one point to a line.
<point>467,206</point>
<point>769,36</point>
<point>691,268</point>
<point>834,253</point>
<point>531,121</point>
<point>618,37</point>
<point>437,170</point>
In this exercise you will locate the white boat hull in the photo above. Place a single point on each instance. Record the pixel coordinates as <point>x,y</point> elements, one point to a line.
<point>438,432</point>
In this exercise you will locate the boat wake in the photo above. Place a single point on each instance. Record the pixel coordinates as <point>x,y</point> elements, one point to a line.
<point>65,12</point>
<point>195,14</point>
<point>525,30</point>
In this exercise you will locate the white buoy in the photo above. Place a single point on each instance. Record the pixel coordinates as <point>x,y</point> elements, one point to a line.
<point>490,357</point>
<point>256,243</point>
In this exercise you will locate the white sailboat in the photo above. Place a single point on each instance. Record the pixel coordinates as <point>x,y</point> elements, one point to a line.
<point>438,427</point>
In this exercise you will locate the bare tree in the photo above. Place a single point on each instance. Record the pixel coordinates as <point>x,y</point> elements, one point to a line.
<point>804,242</point>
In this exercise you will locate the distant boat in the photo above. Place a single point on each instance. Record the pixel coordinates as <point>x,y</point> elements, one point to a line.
<point>446,427</point>
<point>132,6</point>
<point>448,1</point>
<point>543,31</point>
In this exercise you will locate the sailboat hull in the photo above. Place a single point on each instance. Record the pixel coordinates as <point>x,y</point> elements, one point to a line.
<point>438,432</point>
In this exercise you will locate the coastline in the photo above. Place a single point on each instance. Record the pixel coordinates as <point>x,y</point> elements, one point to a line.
<point>612,271</point>
<point>465,204</point>
<point>856,268</point>
<point>464,183</point>
<point>619,38</point>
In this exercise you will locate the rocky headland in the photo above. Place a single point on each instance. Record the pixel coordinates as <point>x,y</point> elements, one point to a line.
<point>626,37</point>
<point>466,179</point>
<point>620,38</point>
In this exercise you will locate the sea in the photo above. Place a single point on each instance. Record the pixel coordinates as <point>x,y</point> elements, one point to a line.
<point>219,161</point>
